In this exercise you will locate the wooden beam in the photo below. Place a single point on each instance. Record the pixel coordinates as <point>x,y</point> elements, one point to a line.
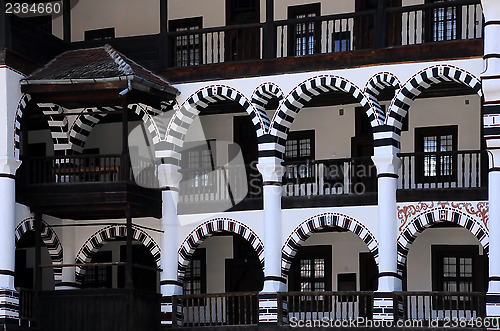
<point>269,32</point>
<point>38,251</point>
<point>67,21</point>
<point>129,283</point>
<point>5,31</point>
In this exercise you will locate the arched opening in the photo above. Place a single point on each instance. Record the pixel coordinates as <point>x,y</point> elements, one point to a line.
<point>107,274</point>
<point>450,264</point>
<point>438,115</point>
<point>317,110</point>
<point>336,262</point>
<point>25,270</point>
<point>218,150</point>
<point>221,279</point>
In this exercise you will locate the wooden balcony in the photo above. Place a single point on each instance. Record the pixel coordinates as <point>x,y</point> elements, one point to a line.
<point>398,34</point>
<point>86,187</point>
<point>90,309</point>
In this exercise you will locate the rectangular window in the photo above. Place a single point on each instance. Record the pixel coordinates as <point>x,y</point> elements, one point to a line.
<point>195,277</point>
<point>304,37</point>
<point>299,154</point>
<point>436,161</point>
<point>457,268</point>
<point>99,276</point>
<point>341,41</point>
<point>187,45</point>
<point>311,269</point>
<point>445,24</point>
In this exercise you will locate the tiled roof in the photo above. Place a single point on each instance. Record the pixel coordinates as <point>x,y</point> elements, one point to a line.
<point>94,63</point>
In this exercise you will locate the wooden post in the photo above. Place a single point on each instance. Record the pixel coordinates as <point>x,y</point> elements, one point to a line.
<point>124,167</point>
<point>4,27</point>
<point>38,251</point>
<point>380,29</point>
<point>164,52</point>
<point>269,45</point>
<point>67,21</point>
<point>129,283</point>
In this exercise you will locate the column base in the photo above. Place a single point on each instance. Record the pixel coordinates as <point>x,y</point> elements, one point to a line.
<point>9,307</point>
<point>383,306</point>
<point>269,309</point>
<point>169,289</point>
<point>493,304</point>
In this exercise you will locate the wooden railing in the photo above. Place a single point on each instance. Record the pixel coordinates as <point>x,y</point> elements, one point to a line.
<point>399,26</point>
<point>27,306</point>
<point>326,305</point>
<point>324,177</point>
<point>215,45</point>
<point>440,307</point>
<point>460,169</point>
<point>325,34</point>
<point>435,22</point>
<point>215,309</point>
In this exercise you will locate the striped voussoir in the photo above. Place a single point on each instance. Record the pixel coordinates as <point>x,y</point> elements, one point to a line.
<point>198,101</point>
<point>318,222</point>
<point>208,228</point>
<point>424,220</point>
<point>49,238</point>
<point>304,92</point>
<point>22,105</point>
<point>262,95</point>
<point>98,239</point>
<point>421,81</point>
<point>58,125</point>
<point>376,85</point>
<point>491,125</point>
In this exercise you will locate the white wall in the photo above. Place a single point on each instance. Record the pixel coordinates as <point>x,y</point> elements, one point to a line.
<point>218,249</point>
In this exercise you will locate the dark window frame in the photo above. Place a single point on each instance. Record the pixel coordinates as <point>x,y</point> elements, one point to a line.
<point>201,255</point>
<point>295,279</point>
<point>420,134</point>
<point>99,34</point>
<point>293,13</point>
<point>190,43</point>
<point>433,30</point>
<point>91,279</point>
<point>438,253</point>
<point>301,167</point>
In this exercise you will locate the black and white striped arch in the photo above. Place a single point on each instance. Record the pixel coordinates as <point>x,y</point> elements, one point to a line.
<point>208,228</point>
<point>422,221</point>
<point>98,239</point>
<point>49,238</point>
<point>300,96</point>
<point>317,223</point>
<point>185,115</point>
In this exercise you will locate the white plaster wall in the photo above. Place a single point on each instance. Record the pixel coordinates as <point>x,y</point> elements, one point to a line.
<point>419,257</point>
<point>10,94</point>
<point>446,111</point>
<point>128,17</point>
<point>218,249</point>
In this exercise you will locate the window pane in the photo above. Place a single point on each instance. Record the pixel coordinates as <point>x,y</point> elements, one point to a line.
<point>466,267</point>
<point>449,266</point>
<point>319,268</point>
<point>305,286</point>
<point>305,268</point>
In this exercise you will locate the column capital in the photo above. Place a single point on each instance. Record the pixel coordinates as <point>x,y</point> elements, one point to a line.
<point>9,165</point>
<point>491,9</point>
<point>386,163</point>
<point>169,176</point>
<point>494,158</point>
<point>271,172</point>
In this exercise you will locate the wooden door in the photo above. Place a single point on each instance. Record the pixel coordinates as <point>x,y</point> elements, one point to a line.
<point>364,173</point>
<point>242,43</point>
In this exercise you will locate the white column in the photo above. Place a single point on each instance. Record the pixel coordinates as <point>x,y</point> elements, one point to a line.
<point>9,296</point>
<point>169,178</point>
<point>387,164</point>
<point>491,118</point>
<point>69,254</point>
<point>272,174</point>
